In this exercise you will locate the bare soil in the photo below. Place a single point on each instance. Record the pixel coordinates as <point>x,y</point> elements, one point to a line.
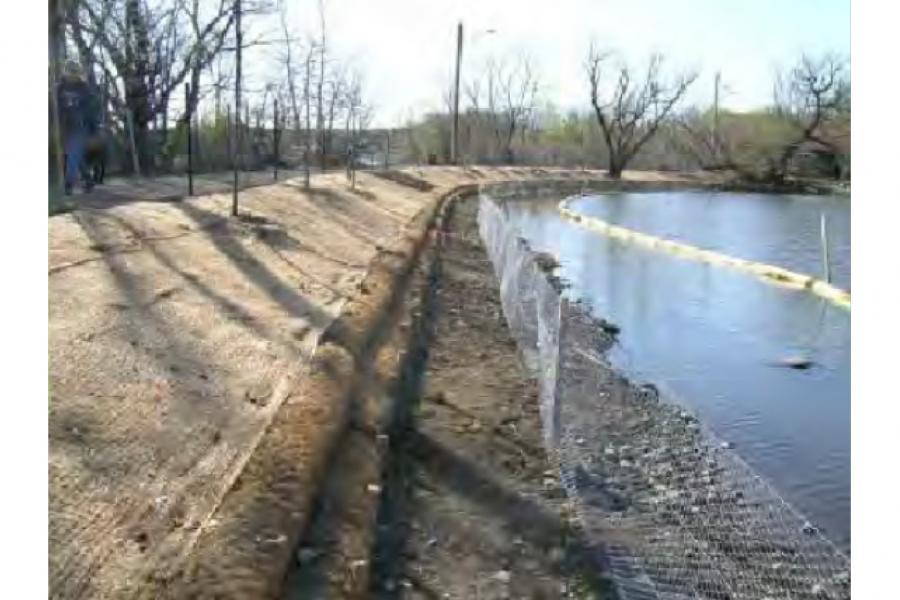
<point>180,338</point>
<point>471,506</point>
<point>175,336</point>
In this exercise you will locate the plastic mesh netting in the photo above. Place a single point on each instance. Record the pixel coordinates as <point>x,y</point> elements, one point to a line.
<point>676,513</point>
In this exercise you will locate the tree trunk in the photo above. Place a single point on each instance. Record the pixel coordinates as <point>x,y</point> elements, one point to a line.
<point>615,167</point>
<point>167,158</point>
<point>55,57</point>
<point>320,115</point>
<point>328,133</point>
<point>191,108</point>
<point>136,91</point>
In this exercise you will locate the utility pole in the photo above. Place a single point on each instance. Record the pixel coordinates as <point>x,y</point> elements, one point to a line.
<point>237,106</point>
<point>454,140</point>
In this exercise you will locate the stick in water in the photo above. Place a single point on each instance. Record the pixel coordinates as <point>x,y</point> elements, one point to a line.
<point>826,263</point>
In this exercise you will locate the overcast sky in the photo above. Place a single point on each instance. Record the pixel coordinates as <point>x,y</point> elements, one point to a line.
<point>406,48</point>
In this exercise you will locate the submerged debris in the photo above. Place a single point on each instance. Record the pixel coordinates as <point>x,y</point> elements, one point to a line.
<point>608,327</point>
<point>800,363</point>
<point>546,262</point>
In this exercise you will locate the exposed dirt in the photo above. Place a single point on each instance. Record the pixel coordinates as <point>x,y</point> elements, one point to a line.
<point>322,433</point>
<point>175,335</point>
<point>471,506</point>
<point>178,336</point>
<point>332,557</point>
<point>405,179</point>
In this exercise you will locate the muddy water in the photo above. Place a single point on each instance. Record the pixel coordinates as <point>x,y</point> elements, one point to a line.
<point>711,337</point>
<point>783,230</point>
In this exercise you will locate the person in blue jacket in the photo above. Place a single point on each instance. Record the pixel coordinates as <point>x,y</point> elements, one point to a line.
<point>78,121</point>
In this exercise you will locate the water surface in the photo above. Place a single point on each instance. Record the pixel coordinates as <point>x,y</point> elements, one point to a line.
<point>778,229</point>
<point>708,336</point>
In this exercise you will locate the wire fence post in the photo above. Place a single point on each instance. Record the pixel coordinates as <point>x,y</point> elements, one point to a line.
<point>276,138</point>
<point>237,107</point>
<point>556,406</point>
<point>190,151</point>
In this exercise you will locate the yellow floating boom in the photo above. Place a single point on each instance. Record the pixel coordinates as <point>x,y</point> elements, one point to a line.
<point>766,272</point>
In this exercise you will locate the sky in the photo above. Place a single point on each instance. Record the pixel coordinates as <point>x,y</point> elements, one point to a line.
<point>406,48</point>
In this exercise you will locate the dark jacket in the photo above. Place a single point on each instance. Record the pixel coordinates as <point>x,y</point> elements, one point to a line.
<point>77,107</point>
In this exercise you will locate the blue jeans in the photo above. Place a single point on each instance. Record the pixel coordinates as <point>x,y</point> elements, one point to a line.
<point>74,149</point>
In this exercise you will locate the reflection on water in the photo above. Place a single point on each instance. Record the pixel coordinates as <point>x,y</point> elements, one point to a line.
<point>783,230</point>
<point>709,336</point>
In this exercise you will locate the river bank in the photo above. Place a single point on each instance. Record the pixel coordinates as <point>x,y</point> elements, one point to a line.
<point>197,406</point>
<point>178,338</point>
<point>475,509</point>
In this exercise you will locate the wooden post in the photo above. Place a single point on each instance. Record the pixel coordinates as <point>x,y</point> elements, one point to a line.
<point>190,151</point>
<point>276,137</point>
<point>237,107</point>
<point>826,262</point>
<point>387,150</point>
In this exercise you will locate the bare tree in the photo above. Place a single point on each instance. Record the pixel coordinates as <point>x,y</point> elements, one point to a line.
<point>298,60</point>
<point>320,86</point>
<point>208,40</point>
<point>358,114</point>
<point>353,104</point>
<point>220,76</point>
<point>472,123</point>
<point>56,42</point>
<point>631,112</point>
<point>808,96</point>
<point>146,51</point>
<point>516,91</point>
<point>307,154</point>
<point>701,141</point>
<point>290,69</point>
<point>336,100</point>
<point>509,93</point>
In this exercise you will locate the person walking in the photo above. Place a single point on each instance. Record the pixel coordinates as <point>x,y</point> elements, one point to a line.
<point>78,121</point>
